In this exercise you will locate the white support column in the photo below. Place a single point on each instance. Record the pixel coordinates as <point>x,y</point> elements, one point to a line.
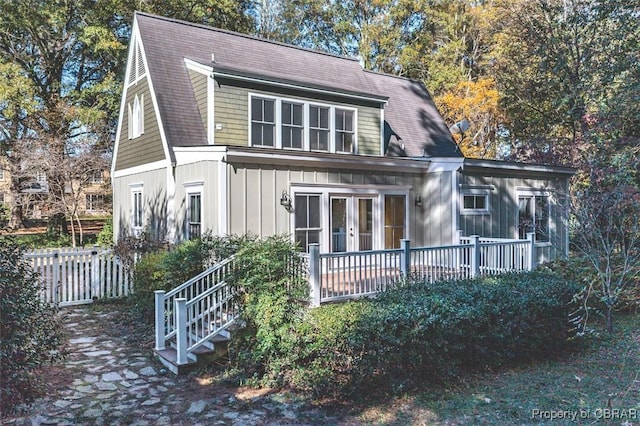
<point>458,237</point>
<point>475,255</point>
<point>181,331</point>
<point>159,319</point>
<point>314,273</point>
<point>533,256</point>
<point>405,257</point>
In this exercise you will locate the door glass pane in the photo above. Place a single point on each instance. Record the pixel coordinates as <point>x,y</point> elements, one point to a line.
<point>365,224</point>
<point>394,226</point>
<point>338,224</point>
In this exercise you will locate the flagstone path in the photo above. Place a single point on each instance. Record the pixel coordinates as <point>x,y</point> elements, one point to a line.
<point>108,380</point>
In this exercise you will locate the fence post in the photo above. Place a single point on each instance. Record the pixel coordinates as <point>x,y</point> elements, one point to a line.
<point>405,257</point>
<point>314,273</point>
<point>95,273</point>
<point>181,330</point>
<point>57,286</point>
<point>533,256</point>
<point>159,320</point>
<point>475,255</point>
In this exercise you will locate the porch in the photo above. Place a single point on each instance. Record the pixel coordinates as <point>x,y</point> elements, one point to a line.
<point>195,319</point>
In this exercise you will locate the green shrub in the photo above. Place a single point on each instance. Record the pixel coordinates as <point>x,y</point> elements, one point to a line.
<point>274,296</point>
<point>427,333</point>
<point>105,236</point>
<point>30,331</point>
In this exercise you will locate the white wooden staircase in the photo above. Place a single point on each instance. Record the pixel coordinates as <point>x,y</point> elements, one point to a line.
<point>194,320</point>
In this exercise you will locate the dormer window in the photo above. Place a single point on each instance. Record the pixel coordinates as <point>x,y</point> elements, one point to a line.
<point>136,117</point>
<point>263,122</point>
<point>294,124</point>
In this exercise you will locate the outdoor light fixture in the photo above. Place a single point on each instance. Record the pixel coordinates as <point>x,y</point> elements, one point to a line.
<point>459,128</point>
<point>418,201</point>
<point>285,201</point>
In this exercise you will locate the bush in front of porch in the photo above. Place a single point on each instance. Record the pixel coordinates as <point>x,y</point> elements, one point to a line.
<point>424,333</point>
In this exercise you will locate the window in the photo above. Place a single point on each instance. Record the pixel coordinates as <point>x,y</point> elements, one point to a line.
<point>533,216</point>
<point>318,128</point>
<point>96,177</point>
<point>2,201</point>
<point>475,201</point>
<point>307,220</point>
<point>41,177</point>
<point>94,202</point>
<point>263,124</point>
<point>194,215</point>
<point>1,174</point>
<point>292,125</point>
<point>344,130</point>
<point>137,208</point>
<point>136,117</point>
<point>394,220</point>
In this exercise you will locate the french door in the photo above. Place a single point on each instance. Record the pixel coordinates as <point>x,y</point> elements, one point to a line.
<point>351,222</point>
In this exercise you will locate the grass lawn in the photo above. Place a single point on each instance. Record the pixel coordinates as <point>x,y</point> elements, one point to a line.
<point>605,375</point>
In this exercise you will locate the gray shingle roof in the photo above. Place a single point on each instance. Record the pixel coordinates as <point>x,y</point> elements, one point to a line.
<point>410,112</point>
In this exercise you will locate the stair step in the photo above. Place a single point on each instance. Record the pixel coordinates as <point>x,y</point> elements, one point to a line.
<point>215,348</point>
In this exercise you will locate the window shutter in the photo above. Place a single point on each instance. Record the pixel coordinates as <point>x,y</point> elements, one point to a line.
<point>141,112</point>
<point>130,122</point>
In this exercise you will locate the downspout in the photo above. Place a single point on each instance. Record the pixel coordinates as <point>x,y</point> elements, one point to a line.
<point>171,195</point>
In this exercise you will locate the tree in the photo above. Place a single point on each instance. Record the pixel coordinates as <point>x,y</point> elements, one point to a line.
<point>31,332</point>
<point>67,59</point>
<point>607,233</point>
<point>557,63</point>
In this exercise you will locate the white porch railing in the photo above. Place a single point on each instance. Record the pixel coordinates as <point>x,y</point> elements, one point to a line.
<point>196,311</point>
<point>74,276</point>
<point>340,276</point>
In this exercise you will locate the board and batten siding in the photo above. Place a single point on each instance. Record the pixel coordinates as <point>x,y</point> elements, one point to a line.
<point>154,195</point>
<point>194,174</point>
<point>437,209</point>
<point>502,219</point>
<point>231,104</point>
<point>255,191</point>
<point>146,148</point>
<point>199,83</point>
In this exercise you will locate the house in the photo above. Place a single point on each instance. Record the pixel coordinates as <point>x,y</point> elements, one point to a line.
<point>92,196</point>
<point>225,132</point>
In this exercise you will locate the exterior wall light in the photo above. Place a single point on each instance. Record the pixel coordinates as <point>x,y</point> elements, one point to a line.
<point>418,201</point>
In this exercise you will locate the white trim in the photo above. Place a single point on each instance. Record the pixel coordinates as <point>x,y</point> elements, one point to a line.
<point>306,105</point>
<point>198,67</point>
<point>186,156</point>
<point>382,131</point>
<point>299,87</point>
<point>534,192</point>
<point>137,188</point>
<point>223,199</point>
<point>329,191</point>
<point>485,192</point>
<point>211,117</point>
<point>171,204</point>
<point>445,164</point>
<point>193,188</point>
<point>148,167</point>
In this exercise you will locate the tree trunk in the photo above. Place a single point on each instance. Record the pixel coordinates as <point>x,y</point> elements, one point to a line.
<point>80,231</point>
<point>16,219</point>
<point>609,319</point>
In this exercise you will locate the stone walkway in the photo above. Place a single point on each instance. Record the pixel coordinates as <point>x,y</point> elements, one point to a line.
<point>106,380</point>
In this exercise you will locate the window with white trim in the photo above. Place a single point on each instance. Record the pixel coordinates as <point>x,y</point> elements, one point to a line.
<point>292,125</point>
<point>307,220</point>
<point>136,116</point>
<point>194,215</point>
<point>41,177</point>
<point>1,174</point>
<point>263,122</point>
<point>319,129</point>
<point>533,216</point>
<point>344,130</point>
<point>137,208</point>
<point>302,125</point>
<point>94,202</point>
<point>475,201</point>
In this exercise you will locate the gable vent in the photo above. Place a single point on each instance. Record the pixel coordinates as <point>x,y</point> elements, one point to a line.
<point>137,69</point>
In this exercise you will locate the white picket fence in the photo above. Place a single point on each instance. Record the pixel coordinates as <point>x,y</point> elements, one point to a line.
<point>75,276</point>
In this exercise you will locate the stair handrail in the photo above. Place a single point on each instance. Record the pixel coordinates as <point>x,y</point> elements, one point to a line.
<point>165,313</point>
